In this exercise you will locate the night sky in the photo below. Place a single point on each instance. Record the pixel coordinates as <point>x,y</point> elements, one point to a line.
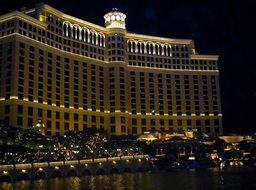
<point>218,27</point>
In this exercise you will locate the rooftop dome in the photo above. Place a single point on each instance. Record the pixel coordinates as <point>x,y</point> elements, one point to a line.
<point>115,19</point>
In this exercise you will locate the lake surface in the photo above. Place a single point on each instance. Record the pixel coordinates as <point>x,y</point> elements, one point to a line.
<point>229,178</point>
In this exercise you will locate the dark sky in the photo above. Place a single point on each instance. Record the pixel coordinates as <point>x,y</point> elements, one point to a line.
<point>222,27</point>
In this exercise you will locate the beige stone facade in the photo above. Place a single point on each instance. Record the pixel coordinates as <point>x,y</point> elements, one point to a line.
<point>72,75</point>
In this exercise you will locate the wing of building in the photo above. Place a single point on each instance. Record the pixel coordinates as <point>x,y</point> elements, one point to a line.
<point>71,74</point>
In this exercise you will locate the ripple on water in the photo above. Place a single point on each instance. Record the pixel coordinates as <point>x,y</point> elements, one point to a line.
<point>186,180</point>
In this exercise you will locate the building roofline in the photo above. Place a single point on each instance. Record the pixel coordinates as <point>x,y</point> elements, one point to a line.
<point>159,39</point>
<point>127,33</point>
<point>23,16</point>
<point>69,17</point>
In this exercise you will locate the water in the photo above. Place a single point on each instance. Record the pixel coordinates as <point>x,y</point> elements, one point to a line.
<point>231,178</point>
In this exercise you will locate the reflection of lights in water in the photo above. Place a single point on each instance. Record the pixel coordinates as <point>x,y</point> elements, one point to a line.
<point>221,180</point>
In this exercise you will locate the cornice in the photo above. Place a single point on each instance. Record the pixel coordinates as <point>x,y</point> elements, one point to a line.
<point>22,16</point>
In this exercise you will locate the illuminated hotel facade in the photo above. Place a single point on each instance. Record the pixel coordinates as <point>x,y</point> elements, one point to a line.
<point>71,75</point>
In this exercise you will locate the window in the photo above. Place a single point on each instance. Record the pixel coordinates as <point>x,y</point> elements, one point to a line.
<point>49,113</point>
<point>20,109</point>
<point>93,118</point>
<point>134,121</point>
<point>49,124</point>
<point>216,122</point>
<point>19,121</point>
<point>30,111</point>
<point>123,129</point>
<point>143,121</point>
<point>57,115</point>
<point>40,112</point>
<point>161,122</point>
<point>76,126</point>
<point>217,130</point>
<point>112,120</point>
<point>30,122</point>
<point>134,130</point>
<point>113,129</point>
<point>189,122</point>
<point>66,116</point>
<point>207,130</point>
<point>7,109</point>
<point>101,119</point>
<point>76,117</point>
<point>179,122</point>
<point>66,126</point>
<point>57,125</point>
<point>122,119</point>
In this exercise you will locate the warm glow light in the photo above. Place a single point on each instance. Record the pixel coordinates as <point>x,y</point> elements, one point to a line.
<point>14,97</point>
<point>112,17</point>
<point>115,19</point>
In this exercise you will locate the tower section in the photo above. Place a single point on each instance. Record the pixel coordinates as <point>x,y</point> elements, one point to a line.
<point>115,26</point>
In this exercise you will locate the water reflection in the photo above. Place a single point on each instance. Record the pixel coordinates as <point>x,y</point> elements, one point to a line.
<point>192,180</point>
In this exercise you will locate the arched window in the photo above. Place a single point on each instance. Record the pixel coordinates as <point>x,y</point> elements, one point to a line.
<point>90,37</point>
<point>129,46</point>
<point>156,49</point>
<point>152,49</point>
<point>148,49</point>
<point>165,51</point>
<point>99,40</point>
<point>69,31</point>
<point>133,46</point>
<point>87,36</point>
<point>74,32</point>
<point>142,47</point>
<point>65,30</point>
<point>78,36</point>
<point>139,48</point>
<point>96,38</point>
<point>169,50</point>
<point>103,40</point>
<point>93,37</point>
<point>160,49</point>
<point>82,35</point>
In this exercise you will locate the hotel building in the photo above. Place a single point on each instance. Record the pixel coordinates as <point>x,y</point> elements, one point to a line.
<point>70,74</point>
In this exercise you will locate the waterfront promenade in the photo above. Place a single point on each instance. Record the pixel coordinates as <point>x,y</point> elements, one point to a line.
<point>99,166</point>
